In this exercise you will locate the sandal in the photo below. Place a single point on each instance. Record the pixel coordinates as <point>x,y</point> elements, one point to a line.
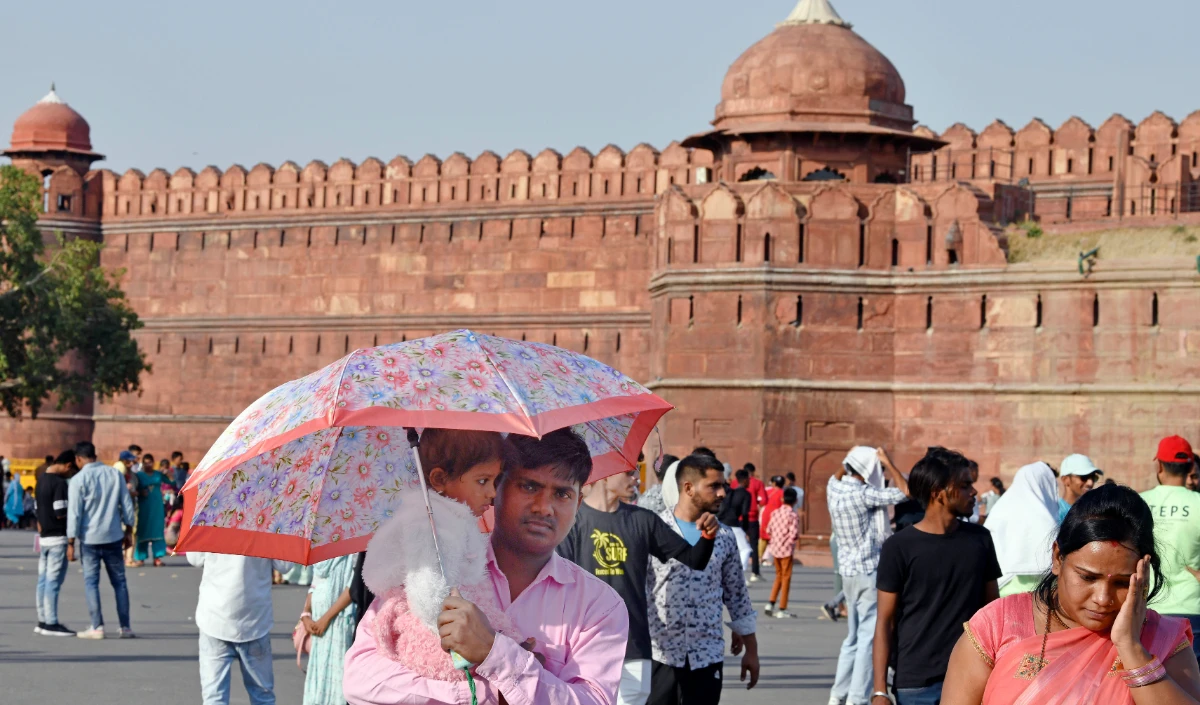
<point>158,563</point>
<point>135,564</point>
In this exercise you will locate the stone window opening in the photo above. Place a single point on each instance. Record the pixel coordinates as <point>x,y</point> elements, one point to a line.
<point>1030,170</point>
<point>739,311</point>
<point>929,244</point>
<point>421,236</point>
<point>737,245</point>
<point>606,187</point>
<point>933,167</point>
<point>825,174</point>
<point>255,202</point>
<point>574,188</point>
<point>210,346</point>
<point>178,237</point>
<point>696,243</point>
<point>895,252</point>
<point>952,256</point>
<point>158,349</point>
<point>983,312</point>
<point>886,178</point>
<point>585,342</point>
<point>1174,150</point>
<point>46,191</point>
<point>1070,165</point>
<point>522,337</point>
<point>424,192</point>
<point>1037,321</point>
<point>1095,310</point>
<point>283,201</point>
<point>860,313</point>
<point>799,312</point>
<point>800,243</point>
<point>451,238</point>
<point>347,349</point>
<point>512,191</point>
<point>291,345</point>
<point>1108,207</point>
<point>1110,163</point>
<point>395,196</point>
<point>691,310</point>
<point>453,194</point>
<point>375,341</point>
<point>203,241</point>
<point>543,190</point>
<point>1133,208</point>
<point>1154,309</point>
<point>862,244</point>
<point>1050,162</point>
<point>1091,159</point>
<point>573,228</point>
<point>229,240</point>
<point>510,230</point>
<point>264,345</point>
<point>185,346</point>
<point>367,197</point>
<point>757,174</point>
<point>639,183</point>
<point>554,339</point>
<point>127,207</point>
<point>237,344</point>
<point>404,337</point>
<point>282,235</point>
<point>929,313</point>
<point>309,241</point>
<point>1195,157</point>
<point>1152,159</point>
<point>618,346</point>
<point>255,246</point>
<point>179,205</point>
<point>150,243</point>
<point>1070,203</point>
<point>767,248</point>
<point>318,345</point>
<point>670,242</point>
<point>637,225</point>
<point>153,206</point>
<point>64,203</point>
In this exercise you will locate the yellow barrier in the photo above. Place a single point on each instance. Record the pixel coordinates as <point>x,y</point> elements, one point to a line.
<point>24,468</point>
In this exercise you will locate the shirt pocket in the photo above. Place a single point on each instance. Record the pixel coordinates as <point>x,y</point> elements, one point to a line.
<point>556,656</point>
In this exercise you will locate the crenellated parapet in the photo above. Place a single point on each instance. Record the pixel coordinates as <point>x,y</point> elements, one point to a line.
<point>430,182</point>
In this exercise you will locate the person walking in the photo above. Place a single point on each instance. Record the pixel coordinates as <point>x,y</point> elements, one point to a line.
<point>150,542</point>
<point>234,616</point>
<point>1176,511</point>
<point>988,499</point>
<point>1077,475</point>
<point>758,501</point>
<point>784,530</point>
<point>100,515</point>
<point>1022,524</point>
<point>14,502</point>
<point>51,492</point>
<point>332,632</point>
<point>932,578</point>
<point>774,501</point>
<point>614,541</point>
<point>734,512</point>
<point>858,503</point>
<point>687,637</point>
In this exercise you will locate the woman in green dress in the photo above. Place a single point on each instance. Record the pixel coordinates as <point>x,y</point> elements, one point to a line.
<point>150,541</point>
<point>333,630</point>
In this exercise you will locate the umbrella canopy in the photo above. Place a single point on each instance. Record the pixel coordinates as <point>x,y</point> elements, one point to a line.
<point>309,470</point>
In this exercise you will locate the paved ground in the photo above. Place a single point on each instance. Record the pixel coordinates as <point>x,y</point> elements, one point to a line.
<point>159,667</point>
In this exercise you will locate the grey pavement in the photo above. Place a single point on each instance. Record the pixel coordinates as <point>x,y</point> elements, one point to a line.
<point>798,655</point>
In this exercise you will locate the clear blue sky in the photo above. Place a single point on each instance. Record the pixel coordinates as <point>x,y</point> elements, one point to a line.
<point>195,83</point>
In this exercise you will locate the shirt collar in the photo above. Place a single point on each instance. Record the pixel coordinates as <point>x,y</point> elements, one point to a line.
<point>557,568</point>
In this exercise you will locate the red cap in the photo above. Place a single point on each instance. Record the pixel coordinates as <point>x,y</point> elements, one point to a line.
<point>1174,449</point>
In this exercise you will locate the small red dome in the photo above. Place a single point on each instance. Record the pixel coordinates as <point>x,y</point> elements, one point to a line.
<point>51,125</point>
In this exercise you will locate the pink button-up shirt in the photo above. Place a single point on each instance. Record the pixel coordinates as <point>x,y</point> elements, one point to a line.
<point>580,624</point>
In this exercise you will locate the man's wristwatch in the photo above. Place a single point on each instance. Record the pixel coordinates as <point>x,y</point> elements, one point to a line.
<point>881,694</point>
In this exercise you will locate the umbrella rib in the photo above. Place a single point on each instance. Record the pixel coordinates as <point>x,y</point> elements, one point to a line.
<point>509,387</point>
<point>620,450</point>
<point>337,394</point>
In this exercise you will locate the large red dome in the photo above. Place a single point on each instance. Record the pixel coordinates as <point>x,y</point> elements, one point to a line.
<point>813,68</point>
<point>51,125</point>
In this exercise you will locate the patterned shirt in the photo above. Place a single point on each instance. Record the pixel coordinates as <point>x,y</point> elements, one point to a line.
<point>784,529</point>
<point>685,615</point>
<point>652,499</point>
<point>853,507</point>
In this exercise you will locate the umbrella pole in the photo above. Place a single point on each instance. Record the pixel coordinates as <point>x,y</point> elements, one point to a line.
<point>415,441</point>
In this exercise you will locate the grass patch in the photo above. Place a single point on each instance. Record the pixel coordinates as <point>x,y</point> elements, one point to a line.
<point>1115,244</point>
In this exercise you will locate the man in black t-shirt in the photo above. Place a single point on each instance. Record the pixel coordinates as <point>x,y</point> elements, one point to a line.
<point>614,540</point>
<point>933,577</point>
<point>51,494</point>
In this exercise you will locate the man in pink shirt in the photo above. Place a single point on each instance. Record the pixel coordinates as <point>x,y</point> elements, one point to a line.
<point>579,623</point>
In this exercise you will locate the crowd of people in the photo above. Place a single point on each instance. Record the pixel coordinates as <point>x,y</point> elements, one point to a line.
<point>1041,598</point>
<point>590,593</point>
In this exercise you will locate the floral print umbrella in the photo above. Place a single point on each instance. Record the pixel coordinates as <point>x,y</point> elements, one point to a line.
<point>308,471</point>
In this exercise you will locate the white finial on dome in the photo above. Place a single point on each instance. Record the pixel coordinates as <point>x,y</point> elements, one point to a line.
<point>52,97</point>
<point>814,12</point>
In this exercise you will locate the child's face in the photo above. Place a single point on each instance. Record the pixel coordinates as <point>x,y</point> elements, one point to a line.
<point>476,487</point>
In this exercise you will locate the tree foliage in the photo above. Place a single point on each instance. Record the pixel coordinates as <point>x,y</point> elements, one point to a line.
<point>65,328</point>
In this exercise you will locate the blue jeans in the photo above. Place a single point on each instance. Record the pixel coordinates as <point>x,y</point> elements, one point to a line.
<point>216,660</point>
<point>52,571</point>
<point>112,555</point>
<point>929,695</point>
<point>855,673</point>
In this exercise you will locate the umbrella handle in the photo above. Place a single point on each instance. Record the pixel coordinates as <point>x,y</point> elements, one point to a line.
<point>414,440</point>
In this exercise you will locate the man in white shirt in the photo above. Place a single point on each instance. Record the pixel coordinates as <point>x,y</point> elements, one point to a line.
<point>234,614</point>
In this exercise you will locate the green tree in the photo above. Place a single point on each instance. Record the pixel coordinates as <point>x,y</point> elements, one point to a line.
<point>64,323</point>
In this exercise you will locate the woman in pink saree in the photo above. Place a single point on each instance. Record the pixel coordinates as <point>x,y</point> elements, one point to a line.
<point>1085,635</point>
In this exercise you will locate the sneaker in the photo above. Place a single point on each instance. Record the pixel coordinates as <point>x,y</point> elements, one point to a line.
<point>57,630</point>
<point>783,614</point>
<point>769,608</point>
<point>41,627</point>
<point>755,577</point>
<point>127,633</point>
<point>93,633</point>
<point>829,613</point>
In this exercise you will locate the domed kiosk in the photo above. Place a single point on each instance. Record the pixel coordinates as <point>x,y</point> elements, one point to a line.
<point>52,133</point>
<point>813,100</point>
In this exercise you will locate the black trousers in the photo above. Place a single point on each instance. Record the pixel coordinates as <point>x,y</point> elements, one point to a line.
<point>683,686</point>
<point>752,537</point>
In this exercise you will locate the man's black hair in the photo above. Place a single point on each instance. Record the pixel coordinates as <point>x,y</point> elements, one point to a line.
<point>778,481</point>
<point>1180,469</point>
<point>661,470</point>
<point>563,450</point>
<point>49,458</point>
<point>934,473</point>
<point>743,477</point>
<point>67,457</point>
<point>749,467</point>
<point>701,450</point>
<point>695,467</point>
<point>791,476</point>
<point>790,496</point>
<point>84,449</point>
<point>176,454</point>
<point>135,448</point>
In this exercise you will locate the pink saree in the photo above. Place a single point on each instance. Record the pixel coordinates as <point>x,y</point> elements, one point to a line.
<point>1081,665</point>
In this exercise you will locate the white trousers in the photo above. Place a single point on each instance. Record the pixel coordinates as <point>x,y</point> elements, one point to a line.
<point>635,683</point>
<point>744,550</point>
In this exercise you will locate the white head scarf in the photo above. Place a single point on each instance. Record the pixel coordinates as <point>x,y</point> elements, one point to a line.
<point>1024,523</point>
<point>864,460</point>
<point>670,487</point>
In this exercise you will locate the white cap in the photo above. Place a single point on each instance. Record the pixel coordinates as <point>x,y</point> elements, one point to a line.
<point>1078,464</point>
